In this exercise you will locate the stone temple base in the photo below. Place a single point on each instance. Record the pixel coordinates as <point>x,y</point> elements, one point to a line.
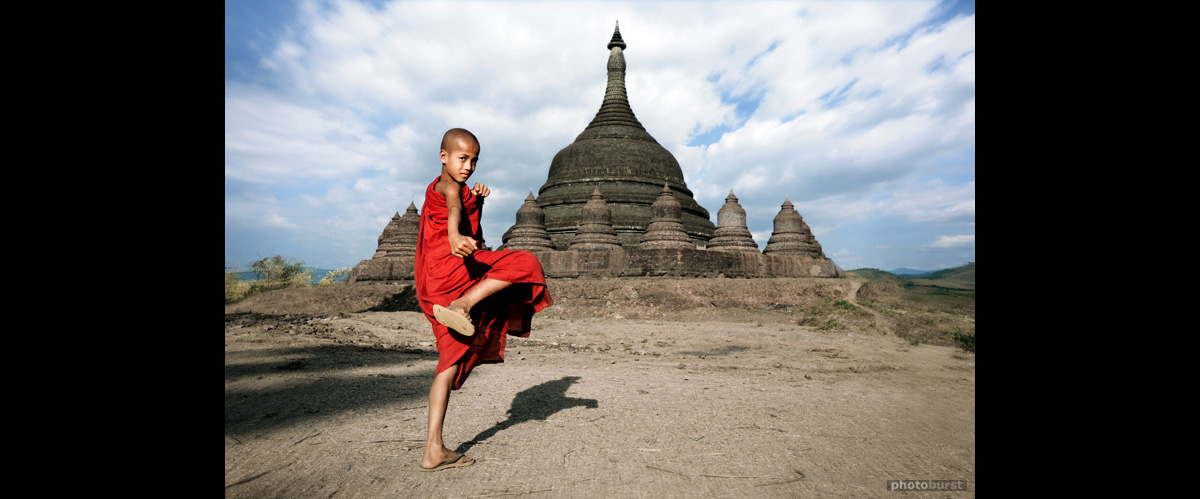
<point>681,263</point>
<point>633,263</point>
<point>382,270</point>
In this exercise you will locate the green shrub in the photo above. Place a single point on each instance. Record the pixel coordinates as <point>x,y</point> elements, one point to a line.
<point>965,339</point>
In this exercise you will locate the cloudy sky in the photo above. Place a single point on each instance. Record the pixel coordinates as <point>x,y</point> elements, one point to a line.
<point>861,113</point>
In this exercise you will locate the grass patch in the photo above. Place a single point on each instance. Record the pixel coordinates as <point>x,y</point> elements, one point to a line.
<point>819,324</point>
<point>830,314</point>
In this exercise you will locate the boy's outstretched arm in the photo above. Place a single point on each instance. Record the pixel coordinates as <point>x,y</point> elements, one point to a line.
<point>480,191</point>
<point>460,245</point>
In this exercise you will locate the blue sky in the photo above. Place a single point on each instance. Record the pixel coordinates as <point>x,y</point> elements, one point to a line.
<point>861,113</point>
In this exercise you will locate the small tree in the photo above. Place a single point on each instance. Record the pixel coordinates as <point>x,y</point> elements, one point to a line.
<point>334,276</point>
<point>275,272</point>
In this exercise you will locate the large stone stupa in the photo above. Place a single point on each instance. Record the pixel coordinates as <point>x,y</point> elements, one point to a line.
<point>617,155</point>
<point>615,205</point>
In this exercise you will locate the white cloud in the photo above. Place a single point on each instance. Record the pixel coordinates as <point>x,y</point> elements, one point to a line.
<point>270,139</point>
<point>256,212</point>
<point>959,241</point>
<point>932,201</point>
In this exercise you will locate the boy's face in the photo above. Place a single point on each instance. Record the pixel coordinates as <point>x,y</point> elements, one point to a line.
<point>459,161</point>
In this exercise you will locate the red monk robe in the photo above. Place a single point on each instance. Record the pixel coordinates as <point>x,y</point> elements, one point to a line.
<point>443,278</point>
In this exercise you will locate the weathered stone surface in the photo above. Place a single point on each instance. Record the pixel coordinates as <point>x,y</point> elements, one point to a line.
<point>616,153</point>
<point>682,263</point>
<point>666,228</point>
<point>529,233</point>
<point>586,263</point>
<point>792,236</point>
<point>731,233</point>
<point>595,230</point>
<point>379,270</point>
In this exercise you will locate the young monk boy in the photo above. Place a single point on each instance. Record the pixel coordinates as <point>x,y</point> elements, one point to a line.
<point>472,297</point>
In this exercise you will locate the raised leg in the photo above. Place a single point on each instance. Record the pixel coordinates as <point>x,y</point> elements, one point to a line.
<point>484,289</point>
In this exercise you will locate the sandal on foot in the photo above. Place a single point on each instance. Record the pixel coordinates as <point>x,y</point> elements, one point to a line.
<point>450,318</point>
<point>456,460</point>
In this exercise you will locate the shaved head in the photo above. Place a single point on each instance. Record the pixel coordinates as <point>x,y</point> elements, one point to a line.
<point>454,135</point>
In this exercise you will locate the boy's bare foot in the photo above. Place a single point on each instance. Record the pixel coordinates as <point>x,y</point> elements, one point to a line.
<point>454,317</point>
<point>445,459</point>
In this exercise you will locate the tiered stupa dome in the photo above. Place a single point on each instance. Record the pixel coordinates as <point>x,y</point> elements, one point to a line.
<point>529,233</point>
<point>399,237</point>
<point>792,236</point>
<point>665,230</point>
<point>616,154</point>
<point>595,226</point>
<point>731,233</point>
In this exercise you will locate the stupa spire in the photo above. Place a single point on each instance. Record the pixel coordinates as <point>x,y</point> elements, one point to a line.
<point>616,39</point>
<point>615,110</point>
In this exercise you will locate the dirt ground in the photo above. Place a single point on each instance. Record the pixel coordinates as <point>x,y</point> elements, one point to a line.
<point>626,388</point>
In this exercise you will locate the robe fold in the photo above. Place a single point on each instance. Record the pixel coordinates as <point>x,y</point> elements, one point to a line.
<point>442,278</point>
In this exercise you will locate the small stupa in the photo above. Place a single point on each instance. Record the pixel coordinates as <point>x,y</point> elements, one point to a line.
<point>399,237</point>
<point>595,230</point>
<point>792,236</point>
<point>529,233</point>
<point>731,233</point>
<point>395,257</point>
<point>666,227</point>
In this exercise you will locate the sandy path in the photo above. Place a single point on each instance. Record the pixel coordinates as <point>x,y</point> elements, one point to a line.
<point>595,408</point>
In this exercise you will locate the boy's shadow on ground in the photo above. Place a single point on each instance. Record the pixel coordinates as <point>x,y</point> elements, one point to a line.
<point>538,402</point>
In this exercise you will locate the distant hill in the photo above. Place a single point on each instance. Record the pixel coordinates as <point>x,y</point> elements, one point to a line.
<point>955,278</point>
<point>958,277</point>
<point>910,272</point>
<point>878,275</point>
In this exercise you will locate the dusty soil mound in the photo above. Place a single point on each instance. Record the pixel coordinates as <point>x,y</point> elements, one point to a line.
<point>577,298</point>
<point>879,306</point>
<point>339,298</point>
